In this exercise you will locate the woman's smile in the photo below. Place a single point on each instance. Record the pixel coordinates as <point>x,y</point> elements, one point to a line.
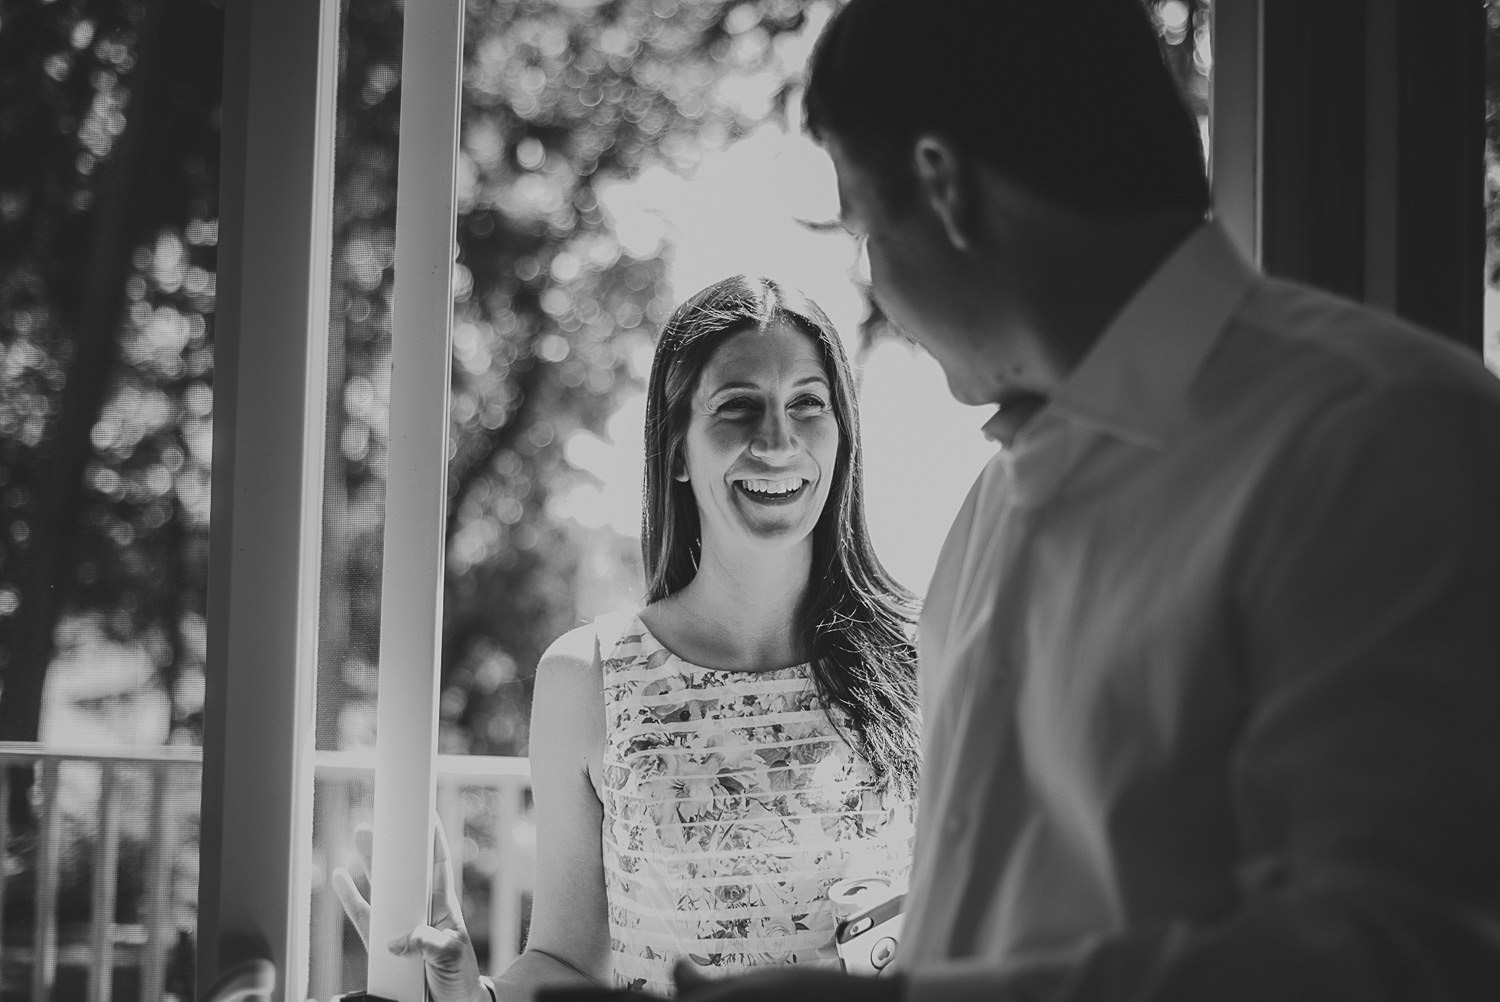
<point>772,492</point>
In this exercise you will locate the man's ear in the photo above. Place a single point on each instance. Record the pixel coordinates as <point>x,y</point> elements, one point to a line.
<point>945,181</point>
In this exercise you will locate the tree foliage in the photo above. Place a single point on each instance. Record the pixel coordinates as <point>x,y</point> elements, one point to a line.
<point>108,171</point>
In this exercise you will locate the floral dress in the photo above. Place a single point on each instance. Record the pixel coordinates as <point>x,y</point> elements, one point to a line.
<point>731,804</point>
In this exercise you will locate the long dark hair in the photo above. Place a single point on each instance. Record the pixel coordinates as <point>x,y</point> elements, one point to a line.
<point>855,620</point>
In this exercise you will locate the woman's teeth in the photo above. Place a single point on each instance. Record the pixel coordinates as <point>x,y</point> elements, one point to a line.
<point>772,486</point>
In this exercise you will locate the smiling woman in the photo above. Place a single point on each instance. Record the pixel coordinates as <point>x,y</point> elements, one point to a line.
<point>707,766</point>
<point>750,363</point>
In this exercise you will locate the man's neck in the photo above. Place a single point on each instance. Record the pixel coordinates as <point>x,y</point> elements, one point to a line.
<point>1098,267</point>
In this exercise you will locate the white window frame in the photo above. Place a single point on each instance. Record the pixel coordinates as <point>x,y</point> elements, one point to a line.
<point>411,603</point>
<point>271,352</point>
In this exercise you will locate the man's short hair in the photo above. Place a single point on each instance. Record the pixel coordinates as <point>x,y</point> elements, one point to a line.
<point>1072,101</point>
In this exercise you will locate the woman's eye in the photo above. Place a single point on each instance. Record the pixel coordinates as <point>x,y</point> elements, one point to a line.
<point>735,405</point>
<point>810,403</point>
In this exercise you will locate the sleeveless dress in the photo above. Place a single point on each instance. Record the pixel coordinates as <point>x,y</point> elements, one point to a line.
<point>731,804</point>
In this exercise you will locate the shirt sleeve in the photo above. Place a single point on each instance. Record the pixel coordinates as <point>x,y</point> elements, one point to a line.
<point>1365,784</point>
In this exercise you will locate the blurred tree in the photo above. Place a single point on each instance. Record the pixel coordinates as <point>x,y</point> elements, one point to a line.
<point>108,163</point>
<point>1183,27</point>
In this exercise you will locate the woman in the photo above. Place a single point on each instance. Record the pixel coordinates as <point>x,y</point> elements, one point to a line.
<point>705,767</point>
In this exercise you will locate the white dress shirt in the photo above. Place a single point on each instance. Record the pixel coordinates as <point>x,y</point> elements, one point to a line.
<point>1211,668</point>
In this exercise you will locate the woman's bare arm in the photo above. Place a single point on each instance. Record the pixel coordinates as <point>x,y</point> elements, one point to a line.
<point>569,937</point>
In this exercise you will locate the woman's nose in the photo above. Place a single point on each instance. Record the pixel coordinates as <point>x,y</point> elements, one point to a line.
<point>773,437</point>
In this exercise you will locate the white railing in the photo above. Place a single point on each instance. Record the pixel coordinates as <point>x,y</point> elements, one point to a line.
<point>147,799</point>
<point>482,801</point>
<point>65,779</point>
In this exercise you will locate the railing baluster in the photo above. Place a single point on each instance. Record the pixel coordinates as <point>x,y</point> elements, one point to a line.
<point>106,880</point>
<point>326,965</point>
<point>450,809</point>
<point>4,851</point>
<point>44,928</point>
<point>508,778</point>
<point>505,896</point>
<point>159,890</point>
<point>496,788</point>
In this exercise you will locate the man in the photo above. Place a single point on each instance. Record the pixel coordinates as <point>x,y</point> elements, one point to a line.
<point>1211,658</point>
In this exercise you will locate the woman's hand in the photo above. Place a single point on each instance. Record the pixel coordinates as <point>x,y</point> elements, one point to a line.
<point>447,953</point>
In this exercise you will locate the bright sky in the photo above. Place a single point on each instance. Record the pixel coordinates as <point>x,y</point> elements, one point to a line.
<point>742,211</point>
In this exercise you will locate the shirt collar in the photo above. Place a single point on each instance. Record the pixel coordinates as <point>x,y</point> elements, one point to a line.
<point>1132,383</point>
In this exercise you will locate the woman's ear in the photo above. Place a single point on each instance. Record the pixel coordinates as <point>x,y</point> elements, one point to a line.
<point>943,178</point>
<point>679,468</point>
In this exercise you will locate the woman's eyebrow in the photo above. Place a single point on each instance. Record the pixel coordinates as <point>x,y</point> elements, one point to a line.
<point>727,387</point>
<point>740,385</point>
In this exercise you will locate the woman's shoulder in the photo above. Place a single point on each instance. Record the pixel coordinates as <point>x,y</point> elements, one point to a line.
<point>571,652</point>
<point>583,649</point>
<point>570,666</point>
<point>567,722</point>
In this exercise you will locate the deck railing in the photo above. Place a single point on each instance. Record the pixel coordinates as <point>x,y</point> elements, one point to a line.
<point>88,805</point>
<point>484,804</point>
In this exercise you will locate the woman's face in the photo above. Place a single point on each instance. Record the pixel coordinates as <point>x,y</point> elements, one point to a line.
<point>762,440</point>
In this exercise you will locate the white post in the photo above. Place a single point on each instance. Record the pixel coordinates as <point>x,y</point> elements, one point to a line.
<point>159,888</point>
<point>505,893</point>
<point>48,872</point>
<point>416,495</point>
<point>1235,121</point>
<point>271,352</point>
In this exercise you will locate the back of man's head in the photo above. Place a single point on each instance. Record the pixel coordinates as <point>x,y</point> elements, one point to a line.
<point>1069,100</point>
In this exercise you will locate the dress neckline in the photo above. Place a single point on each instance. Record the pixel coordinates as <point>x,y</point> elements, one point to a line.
<point>645,634</point>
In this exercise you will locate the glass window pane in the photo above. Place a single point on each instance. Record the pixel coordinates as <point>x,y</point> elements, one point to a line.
<point>363,250</point>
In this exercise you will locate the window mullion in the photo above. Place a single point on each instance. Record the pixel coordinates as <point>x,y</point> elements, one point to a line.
<point>270,357</point>
<point>416,492</point>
